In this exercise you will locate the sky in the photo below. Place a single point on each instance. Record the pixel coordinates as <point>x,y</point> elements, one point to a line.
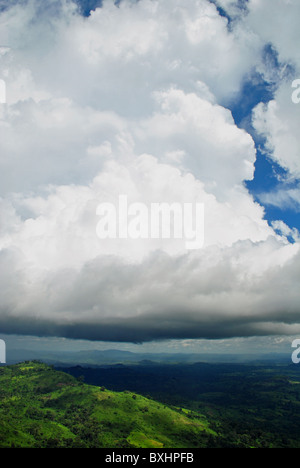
<point>163,101</point>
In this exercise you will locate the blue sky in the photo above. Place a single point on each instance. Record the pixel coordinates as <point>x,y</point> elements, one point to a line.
<point>269,176</point>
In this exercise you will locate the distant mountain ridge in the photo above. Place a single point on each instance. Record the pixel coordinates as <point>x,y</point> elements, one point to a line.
<point>115,356</point>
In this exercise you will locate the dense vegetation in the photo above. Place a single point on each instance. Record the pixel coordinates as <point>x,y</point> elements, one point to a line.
<point>150,406</point>
<point>42,407</point>
<point>246,405</point>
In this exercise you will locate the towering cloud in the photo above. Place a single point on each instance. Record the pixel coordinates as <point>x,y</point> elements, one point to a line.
<point>135,99</point>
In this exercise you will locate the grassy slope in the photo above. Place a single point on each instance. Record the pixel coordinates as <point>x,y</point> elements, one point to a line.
<point>41,407</point>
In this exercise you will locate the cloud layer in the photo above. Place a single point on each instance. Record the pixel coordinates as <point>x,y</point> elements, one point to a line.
<point>134,100</point>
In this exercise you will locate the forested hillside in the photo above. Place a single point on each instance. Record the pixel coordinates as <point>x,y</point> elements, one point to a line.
<point>42,407</point>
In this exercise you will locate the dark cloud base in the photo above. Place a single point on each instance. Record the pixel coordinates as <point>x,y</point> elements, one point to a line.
<point>143,330</point>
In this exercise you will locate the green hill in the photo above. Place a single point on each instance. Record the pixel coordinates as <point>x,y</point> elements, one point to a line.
<point>42,407</point>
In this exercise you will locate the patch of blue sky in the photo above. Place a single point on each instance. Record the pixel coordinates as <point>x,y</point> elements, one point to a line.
<point>241,8</point>
<point>86,6</point>
<point>269,176</point>
<point>257,88</point>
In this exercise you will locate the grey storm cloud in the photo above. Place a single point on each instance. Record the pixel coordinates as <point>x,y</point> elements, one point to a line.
<point>160,299</point>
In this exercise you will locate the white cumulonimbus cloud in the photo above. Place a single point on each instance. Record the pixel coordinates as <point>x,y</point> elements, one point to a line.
<point>132,100</point>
